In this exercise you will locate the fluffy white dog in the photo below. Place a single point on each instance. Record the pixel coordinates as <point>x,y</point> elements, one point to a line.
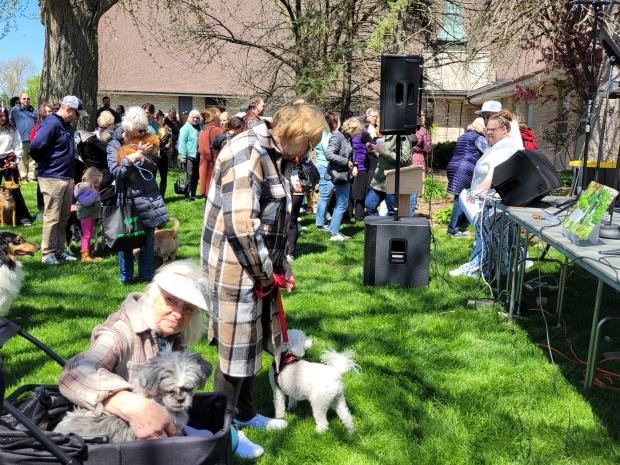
<point>319,383</point>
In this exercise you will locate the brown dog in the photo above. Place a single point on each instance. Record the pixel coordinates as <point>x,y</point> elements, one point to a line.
<point>167,241</point>
<point>7,204</point>
<point>133,145</point>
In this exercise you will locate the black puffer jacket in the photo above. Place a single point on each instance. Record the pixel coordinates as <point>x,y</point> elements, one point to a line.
<point>139,180</point>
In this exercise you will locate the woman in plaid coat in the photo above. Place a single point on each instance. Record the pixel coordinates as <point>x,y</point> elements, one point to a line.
<point>244,245</point>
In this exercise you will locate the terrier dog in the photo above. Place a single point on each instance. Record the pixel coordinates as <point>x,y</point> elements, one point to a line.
<point>11,272</point>
<point>170,379</point>
<point>7,203</point>
<point>319,383</point>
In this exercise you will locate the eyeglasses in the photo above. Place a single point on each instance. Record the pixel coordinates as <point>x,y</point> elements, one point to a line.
<point>492,130</point>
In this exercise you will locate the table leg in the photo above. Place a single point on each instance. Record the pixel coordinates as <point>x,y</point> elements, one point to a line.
<point>561,288</point>
<point>521,270</point>
<point>514,262</point>
<point>498,259</point>
<point>593,343</point>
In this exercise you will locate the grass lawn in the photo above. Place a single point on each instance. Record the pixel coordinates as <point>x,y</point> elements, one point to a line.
<point>441,383</point>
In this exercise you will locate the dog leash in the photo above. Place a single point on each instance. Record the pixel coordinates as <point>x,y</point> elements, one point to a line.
<point>279,282</point>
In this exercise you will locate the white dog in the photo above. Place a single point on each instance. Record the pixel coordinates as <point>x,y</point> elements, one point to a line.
<point>319,383</point>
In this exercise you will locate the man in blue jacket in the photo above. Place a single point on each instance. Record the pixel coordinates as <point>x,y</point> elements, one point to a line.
<point>53,148</point>
<point>24,117</point>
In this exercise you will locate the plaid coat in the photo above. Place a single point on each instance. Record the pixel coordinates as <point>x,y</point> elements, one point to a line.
<point>243,241</point>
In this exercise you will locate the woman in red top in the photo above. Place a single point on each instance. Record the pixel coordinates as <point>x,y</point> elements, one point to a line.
<point>211,117</point>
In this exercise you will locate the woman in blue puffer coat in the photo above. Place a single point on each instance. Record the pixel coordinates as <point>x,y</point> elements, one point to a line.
<point>461,169</point>
<point>136,173</point>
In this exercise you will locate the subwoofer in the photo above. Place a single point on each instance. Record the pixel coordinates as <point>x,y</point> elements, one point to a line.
<point>401,80</point>
<point>396,252</point>
<point>525,177</point>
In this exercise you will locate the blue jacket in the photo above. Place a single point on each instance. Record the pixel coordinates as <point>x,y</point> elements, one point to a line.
<point>53,148</point>
<point>24,120</point>
<point>139,179</point>
<point>461,167</point>
<point>188,141</point>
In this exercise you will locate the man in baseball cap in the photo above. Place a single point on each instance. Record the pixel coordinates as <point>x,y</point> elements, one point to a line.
<point>71,101</point>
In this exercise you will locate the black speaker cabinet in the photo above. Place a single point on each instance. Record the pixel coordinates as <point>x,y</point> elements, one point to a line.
<point>396,252</point>
<point>401,79</point>
<point>525,177</point>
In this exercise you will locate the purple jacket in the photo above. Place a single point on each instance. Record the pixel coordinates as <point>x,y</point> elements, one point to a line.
<point>360,150</point>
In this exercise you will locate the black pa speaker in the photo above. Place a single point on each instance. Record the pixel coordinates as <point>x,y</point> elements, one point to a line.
<point>525,177</point>
<point>396,252</point>
<point>401,80</point>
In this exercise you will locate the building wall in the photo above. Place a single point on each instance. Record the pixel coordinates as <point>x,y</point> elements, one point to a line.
<point>450,117</point>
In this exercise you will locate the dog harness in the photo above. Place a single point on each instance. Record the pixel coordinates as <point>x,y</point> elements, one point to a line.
<point>286,359</point>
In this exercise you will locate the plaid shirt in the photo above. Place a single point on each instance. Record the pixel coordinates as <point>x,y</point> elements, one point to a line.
<point>118,349</point>
<point>243,241</point>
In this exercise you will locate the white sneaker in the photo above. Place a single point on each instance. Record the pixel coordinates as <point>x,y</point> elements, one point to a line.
<point>465,270</point>
<point>246,449</point>
<point>290,258</point>
<point>262,422</point>
<point>528,264</point>
<point>339,237</point>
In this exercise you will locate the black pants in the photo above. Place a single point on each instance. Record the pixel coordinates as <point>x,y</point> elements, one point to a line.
<point>293,226</point>
<point>21,210</point>
<point>191,170</point>
<point>163,171</point>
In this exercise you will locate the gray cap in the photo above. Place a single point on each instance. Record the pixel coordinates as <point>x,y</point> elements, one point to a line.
<point>72,101</point>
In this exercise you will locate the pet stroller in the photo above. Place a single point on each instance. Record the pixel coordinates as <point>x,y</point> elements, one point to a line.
<point>31,412</point>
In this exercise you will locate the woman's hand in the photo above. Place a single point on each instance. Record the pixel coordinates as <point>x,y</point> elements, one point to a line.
<point>147,419</point>
<point>135,157</point>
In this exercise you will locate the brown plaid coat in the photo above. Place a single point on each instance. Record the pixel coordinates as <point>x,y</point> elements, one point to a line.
<point>243,241</point>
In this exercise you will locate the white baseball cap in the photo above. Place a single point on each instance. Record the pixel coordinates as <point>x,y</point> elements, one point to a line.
<point>490,106</point>
<point>72,101</point>
<point>182,287</point>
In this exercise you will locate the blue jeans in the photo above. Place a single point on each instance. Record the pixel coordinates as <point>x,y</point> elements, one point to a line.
<point>489,234</point>
<point>342,202</point>
<point>325,192</point>
<point>145,259</point>
<point>456,217</point>
<point>413,201</point>
<point>374,198</point>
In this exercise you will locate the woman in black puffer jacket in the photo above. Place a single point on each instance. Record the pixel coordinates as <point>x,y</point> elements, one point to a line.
<point>136,174</point>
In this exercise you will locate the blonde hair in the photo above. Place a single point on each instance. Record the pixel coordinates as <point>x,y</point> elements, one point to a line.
<point>352,127</point>
<point>371,110</point>
<point>300,120</point>
<point>477,125</point>
<point>92,176</point>
<point>504,117</point>
<point>194,113</point>
<point>105,120</point>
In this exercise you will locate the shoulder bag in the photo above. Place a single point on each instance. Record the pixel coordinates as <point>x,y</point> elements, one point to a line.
<point>122,228</point>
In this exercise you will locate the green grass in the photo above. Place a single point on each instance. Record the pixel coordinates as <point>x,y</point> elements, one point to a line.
<point>441,383</point>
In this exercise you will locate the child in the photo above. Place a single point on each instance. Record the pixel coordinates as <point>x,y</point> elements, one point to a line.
<point>88,205</point>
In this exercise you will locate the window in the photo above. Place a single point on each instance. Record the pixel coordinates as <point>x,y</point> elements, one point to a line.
<point>529,114</point>
<point>216,102</point>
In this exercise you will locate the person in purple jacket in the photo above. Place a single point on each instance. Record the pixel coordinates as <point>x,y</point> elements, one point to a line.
<point>460,171</point>
<point>53,148</point>
<point>360,137</point>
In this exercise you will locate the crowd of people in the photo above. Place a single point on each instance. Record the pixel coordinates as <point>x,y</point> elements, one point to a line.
<point>256,174</point>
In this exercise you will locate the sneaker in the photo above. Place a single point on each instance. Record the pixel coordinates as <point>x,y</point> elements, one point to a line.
<point>339,237</point>
<point>246,449</point>
<point>49,260</point>
<point>262,422</point>
<point>528,264</point>
<point>323,228</point>
<point>65,257</point>
<point>459,234</point>
<point>290,258</point>
<point>26,222</point>
<point>465,270</point>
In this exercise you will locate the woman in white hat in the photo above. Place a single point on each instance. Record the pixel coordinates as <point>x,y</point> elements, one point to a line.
<point>171,311</point>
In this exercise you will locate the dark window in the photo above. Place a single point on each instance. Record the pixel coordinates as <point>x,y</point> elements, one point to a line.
<point>185,106</point>
<point>216,102</point>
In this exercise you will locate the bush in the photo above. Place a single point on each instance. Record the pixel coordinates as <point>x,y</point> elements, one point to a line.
<point>434,189</point>
<point>443,215</point>
<point>566,177</point>
<point>442,154</point>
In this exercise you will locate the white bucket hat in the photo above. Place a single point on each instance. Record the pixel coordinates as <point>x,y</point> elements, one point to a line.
<point>490,106</point>
<point>175,281</point>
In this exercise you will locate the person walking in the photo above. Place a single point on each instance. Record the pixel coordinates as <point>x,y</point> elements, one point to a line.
<point>24,116</point>
<point>188,152</point>
<point>53,148</point>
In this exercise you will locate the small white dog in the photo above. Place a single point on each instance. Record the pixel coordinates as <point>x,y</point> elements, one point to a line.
<point>319,383</point>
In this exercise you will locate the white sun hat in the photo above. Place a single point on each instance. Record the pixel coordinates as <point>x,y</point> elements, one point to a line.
<point>490,106</point>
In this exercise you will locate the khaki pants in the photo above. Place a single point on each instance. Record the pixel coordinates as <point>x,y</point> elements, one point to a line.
<point>57,197</point>
<point>26,164</point>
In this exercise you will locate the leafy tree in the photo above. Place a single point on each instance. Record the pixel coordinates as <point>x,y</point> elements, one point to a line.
<point>33,88</point>
<point>13,75</point>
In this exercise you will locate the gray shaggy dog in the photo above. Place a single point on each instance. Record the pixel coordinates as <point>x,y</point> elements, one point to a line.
<point>170,379</point>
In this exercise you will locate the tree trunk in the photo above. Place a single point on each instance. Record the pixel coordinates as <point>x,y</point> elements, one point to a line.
<point>70,61</point>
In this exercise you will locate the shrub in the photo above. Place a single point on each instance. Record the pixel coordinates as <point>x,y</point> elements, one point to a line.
<point>434,189</point>
<point>442,154</point>
<point>566,177</point>
<point>443,215</point>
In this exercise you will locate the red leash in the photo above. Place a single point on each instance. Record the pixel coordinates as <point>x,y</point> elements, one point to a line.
<point>279,282</point>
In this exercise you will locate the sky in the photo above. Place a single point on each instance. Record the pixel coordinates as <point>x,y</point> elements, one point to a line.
<point>27,39</point>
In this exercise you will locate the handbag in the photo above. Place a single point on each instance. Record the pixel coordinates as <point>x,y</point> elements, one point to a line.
<point>308,174</point>
<point>122,228</point>
<point>180,188</point>
<point>470,205</point>
<point>338,177</point>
